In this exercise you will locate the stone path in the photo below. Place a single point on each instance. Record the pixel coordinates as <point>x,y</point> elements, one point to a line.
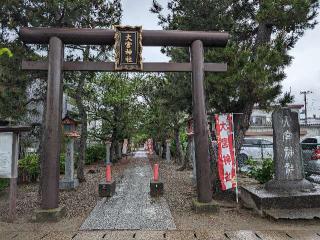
<point>165,235</point>
<point>131,208</point>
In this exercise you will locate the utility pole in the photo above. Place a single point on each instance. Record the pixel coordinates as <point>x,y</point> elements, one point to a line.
<point>305,93</point>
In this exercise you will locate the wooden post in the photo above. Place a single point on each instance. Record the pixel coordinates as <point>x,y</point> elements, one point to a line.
<point>12,200</point>
<point>200,124</point>
<point>13,179</point>
<point>52,129</point>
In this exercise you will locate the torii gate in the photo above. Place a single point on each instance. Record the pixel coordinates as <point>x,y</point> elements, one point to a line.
<point>57,37</point>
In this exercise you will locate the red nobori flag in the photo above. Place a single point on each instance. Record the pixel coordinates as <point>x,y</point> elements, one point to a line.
<point>226,159</point>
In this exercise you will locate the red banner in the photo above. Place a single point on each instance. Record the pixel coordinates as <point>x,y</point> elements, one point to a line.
<point>226,159</point>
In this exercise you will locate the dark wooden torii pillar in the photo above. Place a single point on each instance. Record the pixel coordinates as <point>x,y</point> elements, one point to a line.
<point>56,37</point>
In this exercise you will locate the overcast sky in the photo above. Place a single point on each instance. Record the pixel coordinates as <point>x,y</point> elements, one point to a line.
<point>303,74</point>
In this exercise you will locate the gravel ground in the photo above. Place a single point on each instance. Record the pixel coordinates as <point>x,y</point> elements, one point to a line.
<point>78,203</point>
<point>179,192</point>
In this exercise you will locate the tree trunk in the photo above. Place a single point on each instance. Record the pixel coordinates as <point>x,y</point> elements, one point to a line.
<point>113,149</point>
<point>83,119</point>
<point>178,145</point>
<point>112,152</point>
<point>164,149</point>
<point>242,121</point>
<point>119,150</point>
<point>213,151</point>
<point>84,131</point>
<point>264,34</point>
<point>187,158</point>
<point>241,125</point>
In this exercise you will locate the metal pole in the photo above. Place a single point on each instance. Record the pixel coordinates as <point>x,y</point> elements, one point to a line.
<point>200,124</point>
<point>305,108</point>
<point>305,93</point>
<point>52,128</point>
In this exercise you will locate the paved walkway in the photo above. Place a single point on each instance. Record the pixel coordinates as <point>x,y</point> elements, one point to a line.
<point>131,208</point>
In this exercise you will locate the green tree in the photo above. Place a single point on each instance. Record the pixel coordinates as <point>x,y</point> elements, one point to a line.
<point>115,102</point>
<point>13,84</point>
<point>166,104</point>
<point>60,13</point>
<point>261,31</point>
<point>5,51</point>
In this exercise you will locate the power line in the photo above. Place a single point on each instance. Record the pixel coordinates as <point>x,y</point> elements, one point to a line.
<point>305,93</point>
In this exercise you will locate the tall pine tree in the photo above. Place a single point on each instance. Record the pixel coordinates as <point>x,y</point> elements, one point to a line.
<point>261,31</point>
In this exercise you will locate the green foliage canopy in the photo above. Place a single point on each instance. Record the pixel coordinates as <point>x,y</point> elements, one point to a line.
<point>261,33</point>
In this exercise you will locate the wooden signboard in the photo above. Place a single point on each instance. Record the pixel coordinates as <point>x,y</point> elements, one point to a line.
<point>7,160</point>
<point>9,154</point>
<point>128,48</point>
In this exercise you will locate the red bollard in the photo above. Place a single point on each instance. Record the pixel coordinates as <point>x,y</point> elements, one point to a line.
<point>156,172</point>
<point>108,173</point>
<point>107,188</point>
<point>156,186</point>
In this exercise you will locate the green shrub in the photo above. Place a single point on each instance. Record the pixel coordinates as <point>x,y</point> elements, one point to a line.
<point>30,166</point>
<point>95,153</point>
<point>61,163</point>
<point>173,148</point>
<point>4,183</point>
<point>183,139</point>
<point>262,173</point>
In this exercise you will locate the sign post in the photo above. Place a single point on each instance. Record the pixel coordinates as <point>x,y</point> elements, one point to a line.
<point>128,48</point>
<point>9,154</point>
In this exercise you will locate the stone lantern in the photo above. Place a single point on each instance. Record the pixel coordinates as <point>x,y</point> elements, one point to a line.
<point>69,129</point>
<point>69,125</point>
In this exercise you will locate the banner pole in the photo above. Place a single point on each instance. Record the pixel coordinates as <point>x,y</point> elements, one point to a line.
<point>235,163</point>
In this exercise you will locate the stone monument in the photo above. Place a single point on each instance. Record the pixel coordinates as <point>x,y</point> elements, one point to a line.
<point>289,194</point>
<point>69,181</point>
<point>289,173</point>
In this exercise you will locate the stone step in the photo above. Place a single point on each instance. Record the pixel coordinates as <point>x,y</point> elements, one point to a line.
<point>166,235</point>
